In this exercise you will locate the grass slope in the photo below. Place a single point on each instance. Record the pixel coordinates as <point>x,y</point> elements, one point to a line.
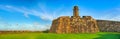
<point>101,35</point>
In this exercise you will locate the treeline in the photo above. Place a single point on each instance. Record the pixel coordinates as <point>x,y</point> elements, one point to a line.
<point>2,32</point>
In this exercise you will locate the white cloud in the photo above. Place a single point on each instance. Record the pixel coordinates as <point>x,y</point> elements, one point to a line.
<point>43,15</point>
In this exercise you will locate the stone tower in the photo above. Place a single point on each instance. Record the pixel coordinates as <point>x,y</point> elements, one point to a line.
<point>75,11</point>
<point>74,24</point>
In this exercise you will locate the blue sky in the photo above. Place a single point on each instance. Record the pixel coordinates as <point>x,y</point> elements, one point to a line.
<point>37,15</point>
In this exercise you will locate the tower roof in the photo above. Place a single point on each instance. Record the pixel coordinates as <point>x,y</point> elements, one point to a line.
<point>75,7</point>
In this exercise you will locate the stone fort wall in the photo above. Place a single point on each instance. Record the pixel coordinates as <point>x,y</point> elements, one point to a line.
<point>66,24</point>
<point>108,26</point>
<point>86,24</point>
<point>74,24</point>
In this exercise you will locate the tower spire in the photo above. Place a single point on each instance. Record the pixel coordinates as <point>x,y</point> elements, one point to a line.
<point>75,11</point>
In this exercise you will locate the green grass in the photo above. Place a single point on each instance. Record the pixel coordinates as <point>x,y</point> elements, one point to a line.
<point>100,35</point>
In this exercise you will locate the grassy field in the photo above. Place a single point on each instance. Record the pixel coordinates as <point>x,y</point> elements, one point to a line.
<point>100,35</point>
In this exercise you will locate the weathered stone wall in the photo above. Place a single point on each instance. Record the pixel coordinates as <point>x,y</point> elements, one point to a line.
<point>65,24</point>
<point>108,26</point>
<point>61,25</point>
<point>83,25</point>
<point>91,24</point>
<point>75,24</point>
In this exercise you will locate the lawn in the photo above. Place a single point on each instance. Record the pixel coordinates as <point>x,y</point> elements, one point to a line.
<point>36,35</point>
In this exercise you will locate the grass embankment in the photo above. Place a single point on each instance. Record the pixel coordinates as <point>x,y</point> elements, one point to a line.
<point>36,35</point>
